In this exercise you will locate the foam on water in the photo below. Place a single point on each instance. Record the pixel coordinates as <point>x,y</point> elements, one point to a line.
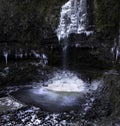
<point>66,82</point>
<point>65,92</point>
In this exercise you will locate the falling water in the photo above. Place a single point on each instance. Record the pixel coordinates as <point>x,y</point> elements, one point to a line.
<point>73,18</point>
<point>65,52</point>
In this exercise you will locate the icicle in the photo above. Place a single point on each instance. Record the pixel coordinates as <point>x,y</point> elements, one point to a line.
<point>21,53</point>
<point>45,59</point>
<point>88,33</point>
<point>37,55</point>
<point>16,55</point>
<point>25,54</point>
<point>77,45</point>
<point>5,53</point>
<point>117,53</point>
<point>112,50</point>
<point>73,19</point>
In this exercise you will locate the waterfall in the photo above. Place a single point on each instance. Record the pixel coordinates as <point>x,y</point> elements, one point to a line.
<point>65,52</point>
<point>73,19</point>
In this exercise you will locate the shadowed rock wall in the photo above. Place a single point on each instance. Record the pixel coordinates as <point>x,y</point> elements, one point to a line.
<point>31,24</point>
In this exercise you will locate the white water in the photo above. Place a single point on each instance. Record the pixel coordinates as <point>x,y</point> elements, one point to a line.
<point>73,19</point>
<point>69,82</point>
<point>65,92</point>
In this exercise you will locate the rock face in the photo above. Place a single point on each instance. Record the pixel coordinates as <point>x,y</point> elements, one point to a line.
<point>30,20</point>
<point>106,15</point>
<point>29,25</point>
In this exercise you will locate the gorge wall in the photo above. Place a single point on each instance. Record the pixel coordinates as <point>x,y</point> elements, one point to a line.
<point>31,24</point>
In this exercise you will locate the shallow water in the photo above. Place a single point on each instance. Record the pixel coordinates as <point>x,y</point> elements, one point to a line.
<point>50,107</point>
<point>64,92</point>
<point>49,100</point>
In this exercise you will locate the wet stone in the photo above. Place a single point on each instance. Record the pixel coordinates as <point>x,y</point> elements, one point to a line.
<point>9,104</point>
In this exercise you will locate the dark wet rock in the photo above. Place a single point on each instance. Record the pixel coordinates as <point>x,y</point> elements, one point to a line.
<point>112,83</point>
<point>32,24</point>
<point>105,19</point>
<point>21,73</point>
<point>100,108</point>
<point>111,87</point>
